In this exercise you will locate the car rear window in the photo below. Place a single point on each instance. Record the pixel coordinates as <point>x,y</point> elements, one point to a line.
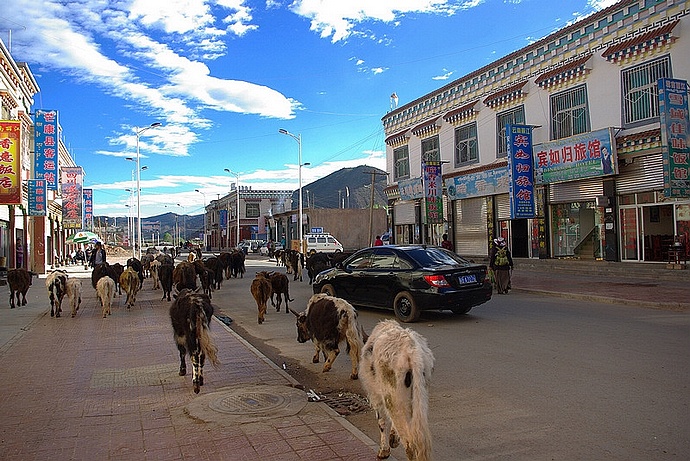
<point>435,257</point>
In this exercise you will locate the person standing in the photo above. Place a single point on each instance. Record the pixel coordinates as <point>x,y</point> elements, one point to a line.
<point>97,255</point>
<point>378,242</point>
<point>19,259</point>
<point>446,243</point>
<point>501,263</point>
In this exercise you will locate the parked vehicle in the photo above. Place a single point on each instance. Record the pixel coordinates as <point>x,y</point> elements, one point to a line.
<point>409,279</point>
<point>322,243</point>
<point>251,245</point>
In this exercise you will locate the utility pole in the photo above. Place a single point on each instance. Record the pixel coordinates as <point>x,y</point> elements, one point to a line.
<point>371,203</point>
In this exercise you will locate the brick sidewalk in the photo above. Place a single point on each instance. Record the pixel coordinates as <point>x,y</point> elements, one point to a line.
<point>89,388</point>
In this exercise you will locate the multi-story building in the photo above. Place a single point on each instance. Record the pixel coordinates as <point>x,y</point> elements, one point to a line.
<point>585,92</point>
<point>40,239</point>
<point>249,212</point>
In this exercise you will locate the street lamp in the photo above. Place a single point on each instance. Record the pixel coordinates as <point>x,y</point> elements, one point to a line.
<point>184,222</point>
<point>204,195</point>
<point>139,133</point>
<point>298,138</point>
<point>237,187</point>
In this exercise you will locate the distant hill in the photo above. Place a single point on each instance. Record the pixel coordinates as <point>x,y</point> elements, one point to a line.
<point>345,188</point>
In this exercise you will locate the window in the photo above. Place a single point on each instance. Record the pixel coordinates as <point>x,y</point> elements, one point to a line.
<point>640,93</point>
<point>466,147</point>
<point>401,163</point>
<point>513,116</point>
<point>252,210</point>
<point>569,113</point>
<point>430,150</point>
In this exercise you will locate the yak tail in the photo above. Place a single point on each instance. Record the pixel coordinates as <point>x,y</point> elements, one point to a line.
<point>410,417</point>
<point>208,347</point>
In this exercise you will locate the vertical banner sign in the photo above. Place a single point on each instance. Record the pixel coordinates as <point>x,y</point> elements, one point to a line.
<point>520,164</point>
<point>46,147</point>
<point>10,169</point>
<point>675,124</point>
<point>433,192</point>
<point>88,209</point>
<point>223,216</point>
<point>72,197</point>
<point>38,204</point>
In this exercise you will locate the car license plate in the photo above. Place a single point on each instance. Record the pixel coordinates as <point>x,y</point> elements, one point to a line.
<point>465,279</point>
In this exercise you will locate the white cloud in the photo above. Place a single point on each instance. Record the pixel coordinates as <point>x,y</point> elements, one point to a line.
<point>444,76</point>
<point>337,19</point>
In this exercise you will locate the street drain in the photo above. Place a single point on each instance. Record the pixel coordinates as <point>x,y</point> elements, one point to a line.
<point>345,403</point>
<point>247,403</point>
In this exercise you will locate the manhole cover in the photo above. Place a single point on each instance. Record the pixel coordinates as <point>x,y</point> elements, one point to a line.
<point>345,403</point>
<point>247,403</point>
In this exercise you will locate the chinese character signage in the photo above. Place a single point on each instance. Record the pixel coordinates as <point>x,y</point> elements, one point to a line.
<point>88,208</point>
<point>433,187</point>
<point>673,111</point>
<point>150,226</point>
<point>411,189</point>
<point>577,157</point>
<point>489,182</point>
<point>38,204</point>
<point>72,197</point>
<point>521,187</point>
<point>10,178</point>
<point>223,217</point>
<point>46,147</point>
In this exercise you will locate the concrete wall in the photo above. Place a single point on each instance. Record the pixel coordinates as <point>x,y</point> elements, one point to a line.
<point>349,225</point>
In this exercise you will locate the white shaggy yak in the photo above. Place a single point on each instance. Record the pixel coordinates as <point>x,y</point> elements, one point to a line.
<point>395,370</point>
<point>73,288</point>
<point>105,289</point>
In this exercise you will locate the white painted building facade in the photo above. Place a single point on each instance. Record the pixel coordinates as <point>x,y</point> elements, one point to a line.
<point>598,75</point>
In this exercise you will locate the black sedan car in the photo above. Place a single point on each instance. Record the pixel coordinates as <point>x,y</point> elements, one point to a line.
<point>409,279</point>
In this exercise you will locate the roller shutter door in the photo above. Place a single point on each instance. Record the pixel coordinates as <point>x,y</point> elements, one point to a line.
<point>404,212</point>
<point>576,191</point>
<point>643,174</point>
<point>470,227</point>
<point>502,204</point>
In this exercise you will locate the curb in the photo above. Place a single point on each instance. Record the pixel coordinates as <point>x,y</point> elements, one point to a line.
<point>673,306</point>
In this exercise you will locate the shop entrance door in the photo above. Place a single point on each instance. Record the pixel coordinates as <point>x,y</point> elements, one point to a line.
<point>521,240</point>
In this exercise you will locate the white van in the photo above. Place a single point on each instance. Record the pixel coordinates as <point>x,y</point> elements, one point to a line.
<point>323,243</point>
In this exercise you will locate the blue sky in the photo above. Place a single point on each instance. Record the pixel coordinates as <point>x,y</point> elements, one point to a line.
<point>222,77</point>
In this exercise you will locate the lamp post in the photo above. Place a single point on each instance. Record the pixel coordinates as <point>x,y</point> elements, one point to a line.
<point>298,138</point>
<point>139,133</point>
<point>237,191</point>
<point>184,222</point>
<point>203,195</point>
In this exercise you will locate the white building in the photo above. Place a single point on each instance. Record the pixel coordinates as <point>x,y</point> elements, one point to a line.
<point>594,81</point>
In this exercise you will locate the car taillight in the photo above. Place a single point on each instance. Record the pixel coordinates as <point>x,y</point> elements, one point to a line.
<point>437,281</point>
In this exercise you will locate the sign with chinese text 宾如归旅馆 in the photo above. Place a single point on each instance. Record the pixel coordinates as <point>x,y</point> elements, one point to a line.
<point>10,178</point>
<point>72,197</point>
<point>433,188</point>
<point>675,133</point>
<point>520,165</point>
<point>581,156</point>
<point>46,147</point>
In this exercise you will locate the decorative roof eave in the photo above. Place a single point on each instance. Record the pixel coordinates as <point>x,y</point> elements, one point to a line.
<point>573,71</point>
<point>398,138</point>
<point>462,114</point>
<point>511,94</point>
<point>658,38</point>
<point>636,142</point>
<point>392,192</point>
<point>428,128</point>
<point>8,100</point>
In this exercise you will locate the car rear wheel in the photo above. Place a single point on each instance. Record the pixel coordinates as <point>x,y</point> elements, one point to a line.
<point>405,307</point>
<point>328,289</point>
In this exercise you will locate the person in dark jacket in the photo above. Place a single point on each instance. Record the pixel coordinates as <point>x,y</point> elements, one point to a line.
<point>501,263</point>
<point>97,255</point>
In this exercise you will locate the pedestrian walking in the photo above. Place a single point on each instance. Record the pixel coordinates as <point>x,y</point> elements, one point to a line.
<point>97,255</point>
<point>378,242</point>
<point>501,263</point>
<point>20,254</point>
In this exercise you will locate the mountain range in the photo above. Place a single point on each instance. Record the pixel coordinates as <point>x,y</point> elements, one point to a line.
<point>345,188</point>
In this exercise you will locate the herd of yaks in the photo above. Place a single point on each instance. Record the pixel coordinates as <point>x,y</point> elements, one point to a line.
<point>394,363</point>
